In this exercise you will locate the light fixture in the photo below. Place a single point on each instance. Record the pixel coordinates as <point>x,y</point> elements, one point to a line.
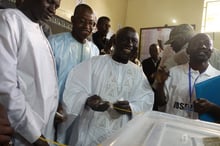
<point>174,21</point>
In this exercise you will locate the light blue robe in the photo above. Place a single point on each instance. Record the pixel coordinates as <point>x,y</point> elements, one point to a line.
<point>68,53</point>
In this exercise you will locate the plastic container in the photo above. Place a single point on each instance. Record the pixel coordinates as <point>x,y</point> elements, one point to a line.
<point>161,129</point>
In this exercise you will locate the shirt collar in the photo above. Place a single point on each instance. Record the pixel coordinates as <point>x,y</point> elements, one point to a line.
<point>209,71</point>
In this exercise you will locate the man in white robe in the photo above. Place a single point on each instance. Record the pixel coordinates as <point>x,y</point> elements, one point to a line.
<point>102,94</point>
<point>28,82</point>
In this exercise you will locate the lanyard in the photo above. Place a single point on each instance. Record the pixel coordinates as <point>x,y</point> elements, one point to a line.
<point>81,57</point>
<point>191,89</point>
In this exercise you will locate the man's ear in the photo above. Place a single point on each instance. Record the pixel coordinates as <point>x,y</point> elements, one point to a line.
<point>113,39</point>
<point>212,50</point>
<point>72,19</point>
<point>114,42</point>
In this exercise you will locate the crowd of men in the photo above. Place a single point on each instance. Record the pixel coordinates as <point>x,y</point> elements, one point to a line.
<point>60,87</point>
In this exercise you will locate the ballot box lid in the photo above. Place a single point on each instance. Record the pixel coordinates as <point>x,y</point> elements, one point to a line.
<point>162,129</point>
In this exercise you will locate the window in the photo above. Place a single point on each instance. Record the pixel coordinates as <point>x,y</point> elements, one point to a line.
<point>211,11</point>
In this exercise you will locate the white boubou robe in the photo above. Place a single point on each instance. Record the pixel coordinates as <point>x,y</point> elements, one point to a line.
<point>111,81</point>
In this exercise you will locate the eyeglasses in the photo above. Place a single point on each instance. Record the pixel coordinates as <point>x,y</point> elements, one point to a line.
<point>86,22</point>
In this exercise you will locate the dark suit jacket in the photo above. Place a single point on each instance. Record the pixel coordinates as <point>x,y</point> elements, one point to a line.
<point>99,41</point>
<point>149,68</point>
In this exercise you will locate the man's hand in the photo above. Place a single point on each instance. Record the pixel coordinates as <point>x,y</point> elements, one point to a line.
<point>122,107</point>
<point>202,106</point>
<point>40,142</point>
<point>6,131</point>
<point>97,104</point>
<point>161,75</point>
<point>60,115</point>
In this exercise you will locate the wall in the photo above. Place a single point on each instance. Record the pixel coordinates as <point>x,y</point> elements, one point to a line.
<point>141,13</point>
<point>115,9</point>
<point>66,9</point>
<point>154,13</point>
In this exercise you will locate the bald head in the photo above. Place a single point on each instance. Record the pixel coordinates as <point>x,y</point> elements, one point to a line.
<point>83,22</point>
<point>81,8</point>
<point>200,47</point>
<point>125,44</point>
<point>121,32</point>
<point>38,10</point>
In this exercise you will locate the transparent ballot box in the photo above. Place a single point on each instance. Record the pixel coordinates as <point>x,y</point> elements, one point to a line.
<point>161,129</point>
